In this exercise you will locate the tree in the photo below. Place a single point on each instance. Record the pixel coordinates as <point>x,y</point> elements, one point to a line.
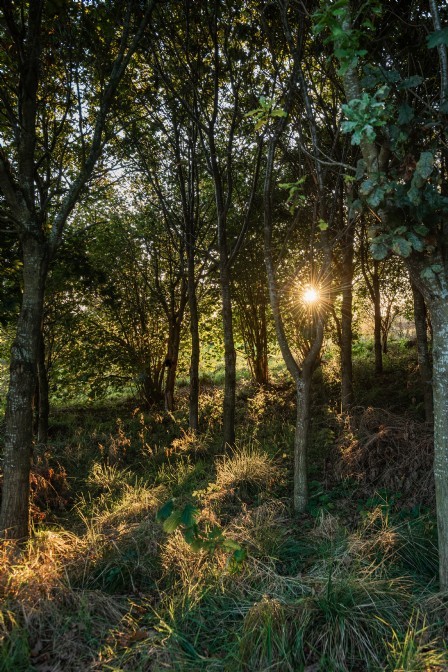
<point>206,61</point>
<point>52,133</point>
<point>301,372</point>
<point>402,133</point>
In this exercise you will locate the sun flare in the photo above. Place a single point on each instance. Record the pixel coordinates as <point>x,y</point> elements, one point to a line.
<point>310,295</point>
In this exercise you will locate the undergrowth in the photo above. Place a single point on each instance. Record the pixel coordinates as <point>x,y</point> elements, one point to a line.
<point>350,585</point>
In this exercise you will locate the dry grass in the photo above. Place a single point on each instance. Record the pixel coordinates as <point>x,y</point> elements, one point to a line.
<point>246,466</point>
<point>380,449</point>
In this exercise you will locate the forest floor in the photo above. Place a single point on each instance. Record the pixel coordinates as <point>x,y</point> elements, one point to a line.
<point>349,585</point>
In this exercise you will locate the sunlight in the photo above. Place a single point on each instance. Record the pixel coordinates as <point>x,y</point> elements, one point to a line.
<point>310,295</point>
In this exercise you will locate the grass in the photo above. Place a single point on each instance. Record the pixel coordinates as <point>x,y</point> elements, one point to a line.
<point>350,585</point>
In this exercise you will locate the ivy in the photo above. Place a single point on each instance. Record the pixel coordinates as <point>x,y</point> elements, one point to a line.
<point>365,115</point>
<point>437,38</point>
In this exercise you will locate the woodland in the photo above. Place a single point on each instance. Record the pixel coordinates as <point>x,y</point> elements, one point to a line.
<point>223,335</point>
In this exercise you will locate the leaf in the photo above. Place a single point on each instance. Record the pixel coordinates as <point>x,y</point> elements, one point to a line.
<point>279,113</point>
<point>366,187</point>
<point>375,198</point>
<point>402,247</point>
<point>416,242</point>
<point>165,512</point>
<point>437,38</point>
<point>197,545</point>
<point>379,251</point>
<point>425,165</point>
<point>240,555</point>
<point>189,515</point>
<point>405,114</point>
<point>421,229</point>
<point>410,82</point>
<point>360,169</point>
<point>173,522</point>
<point>427,273</point>
<point>191,535</point>
<point>231,545</point>
<point>323,226</point>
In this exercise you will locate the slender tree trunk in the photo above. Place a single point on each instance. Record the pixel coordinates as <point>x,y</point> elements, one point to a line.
<point>377,319</point>
<point>14,520</point>
<point>346,327</point>
<point>261,344</point>
<point>439,317</point>
<point>229,353</point>
<point>171,362</point>
<point>424,362</point>
<point>43,409</point>
<point>195,347</point>
<point>303,388</point>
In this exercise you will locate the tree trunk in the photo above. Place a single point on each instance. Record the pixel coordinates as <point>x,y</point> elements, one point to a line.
<point>195,346</point>
<point>171,362</point>
<point>439,317</point>
<point>303,388</point>
<point>346,327</point>
<point>424,362</point>
<point>377,319</point>
<point>14,520</point>
<point>261,368</point>
<point>229,354</point>
<point>43,409</point>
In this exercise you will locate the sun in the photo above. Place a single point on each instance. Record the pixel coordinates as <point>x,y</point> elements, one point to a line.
<point>310,296</point>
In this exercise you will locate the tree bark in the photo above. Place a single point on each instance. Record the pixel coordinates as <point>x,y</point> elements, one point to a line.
<point>377,319</point>
<point>43,409</point>
<point>303,388</point>
<point>193,412</point>
<point>14,517</point>
<point>229,352</point>
<point>424,362</point>
<point>171,361</point>
<point>439,317</point>
<point>346,326</point>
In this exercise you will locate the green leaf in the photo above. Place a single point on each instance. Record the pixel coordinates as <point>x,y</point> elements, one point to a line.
<point>231,545</point>
<point>425,165</point>
<point>379,251</point>
<point>197,545</point>
<point>411,82</point>
<point>165,512</point>
<point>240,555</point>
<point>191,534</point>
<point>427,273</point>
<point>402,247</point>
<point>189,515</point>
<point>405,114</point>
<point>360,169</point>
<point>323,226</point>
<point>173,521</point>
<point>437,38</point>
<point>279,113</point>
<point>416,242</point>
<point>376,197</point>
<point>421,229</point>
<point>367,187</point>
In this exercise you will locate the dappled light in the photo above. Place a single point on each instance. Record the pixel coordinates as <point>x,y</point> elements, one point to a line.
<point>223,336</point>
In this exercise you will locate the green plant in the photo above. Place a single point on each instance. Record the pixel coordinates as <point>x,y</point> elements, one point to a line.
<point>209,540</point>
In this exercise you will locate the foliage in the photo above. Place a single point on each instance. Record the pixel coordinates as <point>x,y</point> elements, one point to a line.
<point>209,541</point>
